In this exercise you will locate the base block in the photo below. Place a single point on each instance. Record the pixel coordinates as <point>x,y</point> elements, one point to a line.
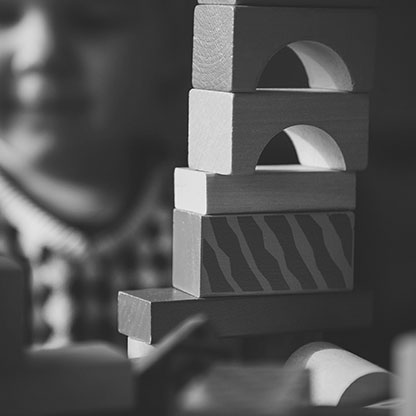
<point>234,255</point>
<point>148,315</point>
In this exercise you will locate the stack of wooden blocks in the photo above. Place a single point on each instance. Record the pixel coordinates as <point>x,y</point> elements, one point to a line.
<point>268,249</point>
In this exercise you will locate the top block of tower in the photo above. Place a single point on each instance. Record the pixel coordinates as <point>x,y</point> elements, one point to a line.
<point>297,3</point>
<point>233,44</point>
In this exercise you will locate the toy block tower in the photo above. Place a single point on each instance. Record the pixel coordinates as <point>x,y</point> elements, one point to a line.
<point>268,249</point>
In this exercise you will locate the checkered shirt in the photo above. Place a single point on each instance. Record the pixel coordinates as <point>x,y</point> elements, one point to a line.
<point>76,278</point>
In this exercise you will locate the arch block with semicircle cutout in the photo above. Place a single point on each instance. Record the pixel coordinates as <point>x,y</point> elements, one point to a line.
<point>233,44</point>
<point>228,131</point>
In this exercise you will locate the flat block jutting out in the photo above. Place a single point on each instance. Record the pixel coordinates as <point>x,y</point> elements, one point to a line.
<point>233,44</point>
<point>228,131</point>
<point>235,255</point>
<point>148,315</point>
<point>13,325</point>
<point>270,189</point>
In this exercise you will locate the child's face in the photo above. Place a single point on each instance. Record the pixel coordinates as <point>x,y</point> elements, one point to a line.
<point>78,73</point>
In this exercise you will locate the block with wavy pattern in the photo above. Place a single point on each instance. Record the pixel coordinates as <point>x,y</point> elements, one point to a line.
<point>231,255</point>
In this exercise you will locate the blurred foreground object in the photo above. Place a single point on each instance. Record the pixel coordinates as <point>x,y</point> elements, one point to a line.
<point>74,380</point>
<point>261,390</point>
<point>404,357</point>
<point>340,378</point>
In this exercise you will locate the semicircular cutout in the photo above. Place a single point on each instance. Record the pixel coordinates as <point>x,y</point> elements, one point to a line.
<point>312,64</point>
<point>304,145</point>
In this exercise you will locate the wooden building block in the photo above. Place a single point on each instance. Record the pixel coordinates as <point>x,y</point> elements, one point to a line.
<point>404,361</point>
<point>13,304</point>
<point>76,380</point>
<point>234,255</point>
<point>341,378</point>
<point>270,189</point>
<point>297,3</point>
<point>228,131</point>
<point>246,390</point>
<point>150,314</point>
<point>138,349</point>
<point>233,44</point>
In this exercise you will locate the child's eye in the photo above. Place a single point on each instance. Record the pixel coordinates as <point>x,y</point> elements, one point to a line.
<point>10,13</point>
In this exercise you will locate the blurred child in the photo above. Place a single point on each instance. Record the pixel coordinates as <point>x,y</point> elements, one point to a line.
<point>91,111</point>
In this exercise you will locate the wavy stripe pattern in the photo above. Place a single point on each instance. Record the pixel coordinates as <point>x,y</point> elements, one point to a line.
<point>277,253</point>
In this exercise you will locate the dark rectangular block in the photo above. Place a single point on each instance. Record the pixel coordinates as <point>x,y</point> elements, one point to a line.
<point>148,315</point>
<point>258,254</point>
<point>296,3</point>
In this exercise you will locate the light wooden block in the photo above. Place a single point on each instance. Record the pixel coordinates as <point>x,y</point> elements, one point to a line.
<point>270,189</point>
<point>258,254</point>
<point>341,378</point>
<point>138,349</point>
<point>148,315</point>
<point>233,44</point>
<point>229,131</point>
<point>404,361</point>
<point>14,291</point>
<point>261,390</point>
<point>297,3</point>
<point>75,380</point>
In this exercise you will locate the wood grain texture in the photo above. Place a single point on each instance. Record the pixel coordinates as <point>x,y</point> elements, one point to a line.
<point>13,321</point>
<point>74,380</point>
<point>270,189</point>
<point>246,390</point>
<point>298,3</point>
<point>258,254</point>
<point>233,44</point>
<point>341,378</point>
<point>150,314</point>
<point>229,131</point>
